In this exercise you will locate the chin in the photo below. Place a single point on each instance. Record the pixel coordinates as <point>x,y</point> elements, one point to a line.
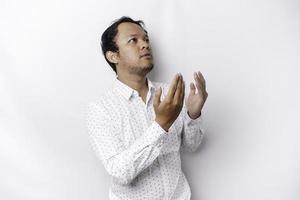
<point>142,70</point>
<point>149,67</point>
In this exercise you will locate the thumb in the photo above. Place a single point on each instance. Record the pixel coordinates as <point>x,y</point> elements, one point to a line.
<point>157,96</point>
<point>193,88</point>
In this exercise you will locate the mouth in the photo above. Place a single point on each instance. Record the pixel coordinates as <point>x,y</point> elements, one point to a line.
<point>146,55</point>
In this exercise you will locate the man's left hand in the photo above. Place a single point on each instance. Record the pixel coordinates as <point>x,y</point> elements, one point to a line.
<point>195,101</point>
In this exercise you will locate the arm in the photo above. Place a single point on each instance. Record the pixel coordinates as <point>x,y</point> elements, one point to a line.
<point>192,132</point>
<point>121,163</point>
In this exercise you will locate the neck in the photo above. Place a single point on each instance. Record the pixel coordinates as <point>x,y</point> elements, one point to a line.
<point>136,82</point>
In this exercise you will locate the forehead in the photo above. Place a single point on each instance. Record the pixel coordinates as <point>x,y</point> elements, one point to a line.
<point>128,29</point>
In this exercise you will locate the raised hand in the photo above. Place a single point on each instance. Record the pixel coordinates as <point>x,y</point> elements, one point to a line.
<point>168,110</point>
<point>195,101</point>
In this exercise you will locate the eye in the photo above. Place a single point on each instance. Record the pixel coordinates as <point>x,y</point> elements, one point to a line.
<point>132,40</point>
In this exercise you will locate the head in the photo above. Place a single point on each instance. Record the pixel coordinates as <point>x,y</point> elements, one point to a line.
<point>125,46</point>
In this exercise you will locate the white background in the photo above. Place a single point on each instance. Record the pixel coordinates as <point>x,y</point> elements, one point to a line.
<point>51,65</point>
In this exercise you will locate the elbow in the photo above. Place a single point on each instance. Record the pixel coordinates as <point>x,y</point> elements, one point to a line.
<point>120,173</point>
<point>190,148</point>
<point>122,178</point>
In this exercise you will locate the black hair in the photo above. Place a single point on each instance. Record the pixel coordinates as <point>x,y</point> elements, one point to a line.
<point>108,42</point>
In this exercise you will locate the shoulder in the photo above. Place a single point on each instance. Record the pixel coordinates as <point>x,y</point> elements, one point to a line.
<point>101,103</point>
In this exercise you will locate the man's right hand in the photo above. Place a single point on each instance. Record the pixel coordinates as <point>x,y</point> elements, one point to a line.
<point>167,111</point>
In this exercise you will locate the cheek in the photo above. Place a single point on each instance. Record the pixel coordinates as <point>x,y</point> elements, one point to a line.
<point>129,55</point>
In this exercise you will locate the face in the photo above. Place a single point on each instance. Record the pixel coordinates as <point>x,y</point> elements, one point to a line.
<point>134,54</point>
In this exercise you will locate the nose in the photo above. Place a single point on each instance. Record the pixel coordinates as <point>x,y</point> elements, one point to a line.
<point>145,45</point>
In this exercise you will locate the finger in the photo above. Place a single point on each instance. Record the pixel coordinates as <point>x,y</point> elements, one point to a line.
<point>202,78</point>
<point>157,96</point>
<point>192,88</point>
<point>173,86</point>
<point>183,92</point>
<point>202,83</point>
<point>178,91</point>
<point>198,83</point>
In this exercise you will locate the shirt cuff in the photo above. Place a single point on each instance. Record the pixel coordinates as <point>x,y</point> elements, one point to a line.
<point>191,121</point>
<point>156,134</point>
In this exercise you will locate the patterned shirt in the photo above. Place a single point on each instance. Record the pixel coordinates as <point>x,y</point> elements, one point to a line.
<point>140,156</point>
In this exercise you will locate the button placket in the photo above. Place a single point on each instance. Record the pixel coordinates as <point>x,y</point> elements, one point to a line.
<point>141,103</point>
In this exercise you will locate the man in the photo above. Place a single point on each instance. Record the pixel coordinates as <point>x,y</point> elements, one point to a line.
<point>138,127</point>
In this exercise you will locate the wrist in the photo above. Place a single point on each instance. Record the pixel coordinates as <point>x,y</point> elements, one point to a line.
<point>195,116</point>
<point>163,125</point>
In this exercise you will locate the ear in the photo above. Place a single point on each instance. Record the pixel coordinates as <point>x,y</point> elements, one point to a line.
<point>112,57</point>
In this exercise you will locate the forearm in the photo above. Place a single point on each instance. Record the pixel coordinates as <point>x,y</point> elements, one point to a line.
<point>125,164</point>
<point>192,134</point>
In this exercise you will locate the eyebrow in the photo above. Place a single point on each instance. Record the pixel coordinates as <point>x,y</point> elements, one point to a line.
<point>131,35</point>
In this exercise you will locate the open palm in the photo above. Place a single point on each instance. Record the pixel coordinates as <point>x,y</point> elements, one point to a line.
<point>196,100</point>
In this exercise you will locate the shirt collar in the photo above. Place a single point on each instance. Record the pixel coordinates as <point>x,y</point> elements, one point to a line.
<point>127,92</point>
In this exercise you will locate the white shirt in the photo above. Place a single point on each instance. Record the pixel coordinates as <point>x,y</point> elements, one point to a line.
<point>141,157</point>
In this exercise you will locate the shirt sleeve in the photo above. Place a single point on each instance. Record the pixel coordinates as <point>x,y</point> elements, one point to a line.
<point>123,164</point>
<point>192,132</point>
